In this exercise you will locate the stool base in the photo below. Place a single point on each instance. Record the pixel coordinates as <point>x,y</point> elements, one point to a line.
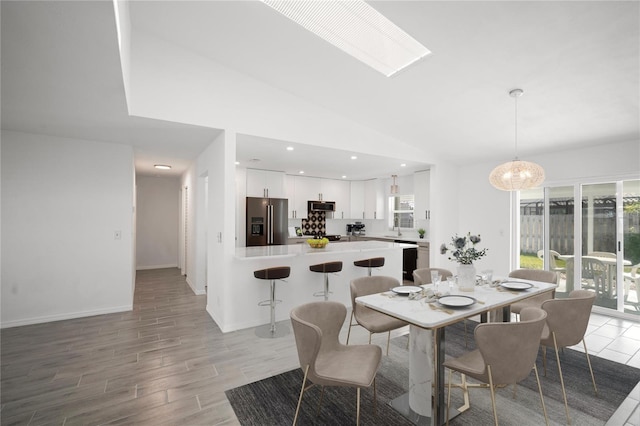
<point>264,331</point>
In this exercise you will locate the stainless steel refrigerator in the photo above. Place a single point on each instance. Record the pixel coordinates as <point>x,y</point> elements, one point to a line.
<point>267,221</point>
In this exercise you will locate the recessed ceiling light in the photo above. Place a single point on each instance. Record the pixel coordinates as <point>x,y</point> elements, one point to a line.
<point>237,163</point>
<point>344,176</point>
<point>289,148</point>
<point>353,157</point>
<point>357,29</point>
<point>301,172</point>
<point>162,166</point>
<point>403,165</point>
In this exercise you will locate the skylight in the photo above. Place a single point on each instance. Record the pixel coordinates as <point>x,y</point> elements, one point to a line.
<point>358,29</point>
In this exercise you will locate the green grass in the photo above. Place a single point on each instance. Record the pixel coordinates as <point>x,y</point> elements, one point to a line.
<point>531,261</point>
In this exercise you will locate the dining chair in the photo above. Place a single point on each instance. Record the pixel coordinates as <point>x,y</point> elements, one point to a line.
<point>371,320</point>
<point>534,275</point>
<point>594,276</point>
<point>423,275</point>
<point>632,278</point>
<point>567,321</point>
<point>506,353</point>
<point>324,360</point>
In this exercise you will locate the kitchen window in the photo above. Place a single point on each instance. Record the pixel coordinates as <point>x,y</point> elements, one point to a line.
<point>401,211</point>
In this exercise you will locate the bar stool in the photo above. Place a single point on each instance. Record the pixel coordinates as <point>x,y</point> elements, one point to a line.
<point>374,262</point>
<point>272,274</point>
<point>326,269</point>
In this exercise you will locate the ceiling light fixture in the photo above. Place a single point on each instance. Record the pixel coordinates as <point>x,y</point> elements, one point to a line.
<point>357,29</point>
<point>517,174</point>
<point>394,187</point>
<point>289,148</point>
<point>353,157</point>
<point>162,166</point>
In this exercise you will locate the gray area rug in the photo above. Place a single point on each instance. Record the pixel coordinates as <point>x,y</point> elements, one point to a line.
<point>272,401</point>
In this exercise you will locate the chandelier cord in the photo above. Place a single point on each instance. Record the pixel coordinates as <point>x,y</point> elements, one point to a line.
<point>516,126</point>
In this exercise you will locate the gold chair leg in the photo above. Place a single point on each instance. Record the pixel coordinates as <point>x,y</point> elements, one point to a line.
<point>465,334</point>
<point>544,360</point>
<point>370,334</point>
<point>593,379</point>
<point>375,398</point>
<point>449,396</point>
<point>564,393</point>
<point>388,341</point>
<point>544,409</point>
<point>493,395</point>
<point>465,394</point>
<point>350,324</point>
<point>304,381</point>
<point>358,406</point>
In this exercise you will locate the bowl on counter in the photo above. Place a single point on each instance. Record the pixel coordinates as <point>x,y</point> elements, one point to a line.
<point>317,242</point>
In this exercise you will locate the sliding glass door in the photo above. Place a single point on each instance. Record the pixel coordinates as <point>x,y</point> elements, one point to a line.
<point>589,234</point>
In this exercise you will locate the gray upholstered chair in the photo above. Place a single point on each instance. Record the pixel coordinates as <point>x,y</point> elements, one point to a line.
<point>506,353</point>
<point>423,275</point>
<point>567,321</point>
<point>324,360</point>
<point>535,275</point>
<point>373,321</point>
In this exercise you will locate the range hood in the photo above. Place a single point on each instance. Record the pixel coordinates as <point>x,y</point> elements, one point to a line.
<point>321,206</point>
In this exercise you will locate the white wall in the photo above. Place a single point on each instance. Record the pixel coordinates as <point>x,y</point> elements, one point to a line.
<point>486,210</point>
<point>157,222</point>
<point>63,199</point>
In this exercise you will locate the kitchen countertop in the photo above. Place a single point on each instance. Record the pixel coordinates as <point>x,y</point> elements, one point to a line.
<point>409,236</point>
<point>292,250</point>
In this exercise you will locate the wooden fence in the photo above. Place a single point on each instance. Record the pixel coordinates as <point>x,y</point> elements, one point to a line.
<point>561,232</point>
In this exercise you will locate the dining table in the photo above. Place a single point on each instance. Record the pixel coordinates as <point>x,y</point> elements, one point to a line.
<point>427,317</point>
<point>609,262</point>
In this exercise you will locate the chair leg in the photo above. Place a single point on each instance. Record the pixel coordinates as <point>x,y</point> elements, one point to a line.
<point>350,324</point>
<point>593,379</point>
<point>544,360</point>
<point>320,401</point>
<point>388,341</point>
<point>465,334</point>
<point>564,393</point>
<point>544,409</point>
<point>493,395</point>
<point>465,394</point>
<point>370,334</point>
<point>358,406</point>
<point>375,398</point>
<point>449,395</point>
<point>304,381</point>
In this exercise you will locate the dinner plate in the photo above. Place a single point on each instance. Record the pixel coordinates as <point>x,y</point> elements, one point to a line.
<point>516,285</point>
<point>456,301</point>
<point>405,290</point>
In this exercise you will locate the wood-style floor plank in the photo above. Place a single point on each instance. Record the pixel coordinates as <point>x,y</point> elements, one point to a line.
<point>164,362</point>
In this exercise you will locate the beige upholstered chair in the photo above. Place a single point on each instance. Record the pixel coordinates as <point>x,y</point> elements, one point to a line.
<point>535,275</point>
<point>324,360</point>
<point>423,275</point>
<point>506,353</point>
<point>567,321</point>
<point>373,321</point>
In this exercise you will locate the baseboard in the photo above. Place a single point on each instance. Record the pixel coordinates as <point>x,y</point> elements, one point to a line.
<point>67,316</point>
<point>169,265</point>
<point>194,289</point>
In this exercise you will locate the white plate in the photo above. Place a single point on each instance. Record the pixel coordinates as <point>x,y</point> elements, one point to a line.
<point>456,301</point>
<point>516,285</point>
<point>405,290</point>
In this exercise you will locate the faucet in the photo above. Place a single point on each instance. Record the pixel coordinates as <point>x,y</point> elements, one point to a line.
<point>395,223</point>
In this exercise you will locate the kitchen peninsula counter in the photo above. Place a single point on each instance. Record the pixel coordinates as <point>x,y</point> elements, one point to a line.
<point>245,291</point>
<point>291,250</point>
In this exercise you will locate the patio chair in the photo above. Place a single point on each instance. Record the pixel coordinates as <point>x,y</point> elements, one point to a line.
<point>594,276</point>
<point>554,256</point>
<point>632,282</point>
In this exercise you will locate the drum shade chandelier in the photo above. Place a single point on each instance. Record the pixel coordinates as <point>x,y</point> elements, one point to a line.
<point>394,186</point>
<point>517,174</point>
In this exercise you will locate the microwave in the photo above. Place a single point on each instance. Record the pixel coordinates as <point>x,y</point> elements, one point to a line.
<point>321,206</point>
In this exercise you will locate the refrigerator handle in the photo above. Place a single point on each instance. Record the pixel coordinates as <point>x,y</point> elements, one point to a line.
<point>270,224</point>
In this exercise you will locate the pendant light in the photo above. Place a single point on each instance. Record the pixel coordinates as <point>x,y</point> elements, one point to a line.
<point>394,187</point>
<point>517,174</point>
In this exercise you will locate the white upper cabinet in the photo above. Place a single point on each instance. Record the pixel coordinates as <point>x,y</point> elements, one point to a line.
<point>265,183</point>
<point>299,191</point>
<point>373,199</point>
<point>357,199</point>
<point>340,192</point>
<point>421,187</point>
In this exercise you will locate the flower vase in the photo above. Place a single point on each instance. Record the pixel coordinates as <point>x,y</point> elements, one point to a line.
<point>466,277</point>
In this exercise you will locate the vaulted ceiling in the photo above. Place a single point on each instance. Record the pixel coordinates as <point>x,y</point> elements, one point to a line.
<point>578,63</point>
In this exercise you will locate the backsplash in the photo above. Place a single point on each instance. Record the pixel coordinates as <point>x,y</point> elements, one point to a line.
<point>315,223</point>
